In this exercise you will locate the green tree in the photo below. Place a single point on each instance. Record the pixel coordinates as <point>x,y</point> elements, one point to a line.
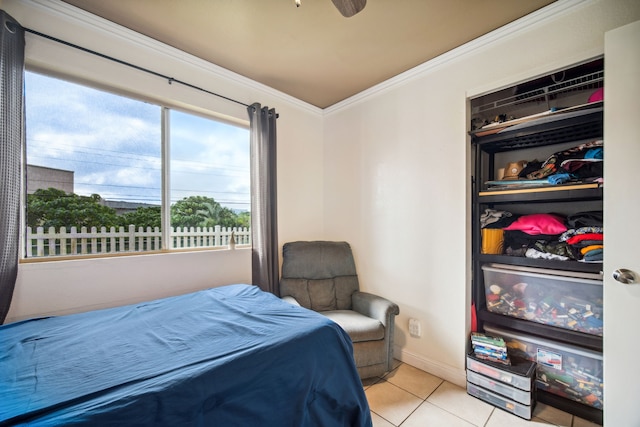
<point>211,211</point>
<point>227,218</point>
<point>55,208</point>
<point>190,211</point>
<point>201,211</point>
<point>244,219</point>
<point>142,217</point>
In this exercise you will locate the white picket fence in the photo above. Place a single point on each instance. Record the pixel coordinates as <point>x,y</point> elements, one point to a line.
<point>90,241</point>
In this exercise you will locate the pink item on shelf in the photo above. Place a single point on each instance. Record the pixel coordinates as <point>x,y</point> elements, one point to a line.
<point>598,95</point>
<point>538,224</point>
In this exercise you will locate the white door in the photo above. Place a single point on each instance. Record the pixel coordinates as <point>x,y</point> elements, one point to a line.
<point>622,226</point>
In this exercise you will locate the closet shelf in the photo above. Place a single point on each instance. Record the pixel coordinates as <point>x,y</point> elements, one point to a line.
<point>544,94</point>
<point>553,129</point>
<point>577,192</point>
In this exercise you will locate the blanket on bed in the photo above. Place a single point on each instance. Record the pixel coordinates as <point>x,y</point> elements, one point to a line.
<point>227,356</point>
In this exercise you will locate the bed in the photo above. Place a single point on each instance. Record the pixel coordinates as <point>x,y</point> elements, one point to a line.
<point>226,356</point>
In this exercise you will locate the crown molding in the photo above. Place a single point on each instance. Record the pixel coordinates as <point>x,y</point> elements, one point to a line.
<point>539,17</point>
<point>79,17</point>
<point>66,12</point>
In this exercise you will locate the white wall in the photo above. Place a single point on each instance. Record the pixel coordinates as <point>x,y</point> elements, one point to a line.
<point>397,169</point>
<point>78,285</point>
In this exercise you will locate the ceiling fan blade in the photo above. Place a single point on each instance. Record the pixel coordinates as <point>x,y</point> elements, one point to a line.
<point>349,8</point>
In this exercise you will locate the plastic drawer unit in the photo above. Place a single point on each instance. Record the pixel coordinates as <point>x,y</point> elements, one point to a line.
<point>537,295</point>
<point>523,411</point>
<point>568,371</point>
<point>519,374</point>
<point>520,396</point>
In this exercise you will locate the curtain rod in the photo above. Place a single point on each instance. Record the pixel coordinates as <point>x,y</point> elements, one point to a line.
<point>169,79</point>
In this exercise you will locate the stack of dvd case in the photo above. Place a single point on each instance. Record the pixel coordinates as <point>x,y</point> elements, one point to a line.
<point>490,348</point>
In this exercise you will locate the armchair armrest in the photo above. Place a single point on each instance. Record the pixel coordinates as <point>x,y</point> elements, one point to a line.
<point>374,306</point>
<point>290,300</point>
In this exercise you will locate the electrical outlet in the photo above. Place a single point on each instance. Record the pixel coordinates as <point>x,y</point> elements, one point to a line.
<point>414,328</point>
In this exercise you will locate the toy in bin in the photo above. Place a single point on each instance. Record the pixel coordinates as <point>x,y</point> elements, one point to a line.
<point>574,377</point>
<point>564,302</point>
<point>562,369</point>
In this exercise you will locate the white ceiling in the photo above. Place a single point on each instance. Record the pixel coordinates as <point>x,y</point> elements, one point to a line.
<point>312,52</point>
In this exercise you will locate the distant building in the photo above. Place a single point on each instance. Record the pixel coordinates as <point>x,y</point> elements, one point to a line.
<point>123,207</point>
<point>40,177</point>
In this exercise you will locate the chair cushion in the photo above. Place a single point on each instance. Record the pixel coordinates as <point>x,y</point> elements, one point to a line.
<point>320,275</point>
<point>321,294</point>
<point>317,260</point>
<point>359,327</point>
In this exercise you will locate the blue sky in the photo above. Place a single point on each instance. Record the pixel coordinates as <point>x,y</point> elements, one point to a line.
<point>113,145</point>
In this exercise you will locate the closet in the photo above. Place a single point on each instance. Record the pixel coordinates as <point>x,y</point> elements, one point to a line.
<point>537,248</point>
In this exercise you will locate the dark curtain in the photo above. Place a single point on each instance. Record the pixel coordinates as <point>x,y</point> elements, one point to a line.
<point>11,146</point>
<point>264,206</point>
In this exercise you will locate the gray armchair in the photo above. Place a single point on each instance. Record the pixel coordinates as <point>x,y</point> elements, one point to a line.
<point>321,276</point>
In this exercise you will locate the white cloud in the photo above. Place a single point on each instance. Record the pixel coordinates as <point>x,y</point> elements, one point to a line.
<point>113,145</point>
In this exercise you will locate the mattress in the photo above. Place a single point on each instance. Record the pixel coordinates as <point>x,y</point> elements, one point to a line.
<point>226,356</point>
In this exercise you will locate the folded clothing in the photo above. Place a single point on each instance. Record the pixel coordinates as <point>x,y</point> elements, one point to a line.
<point>590,151</point>
<point>590,248</point>
<point>517,243</point>
<point>597,237</point>
<point>580,231</point>
<point>595,255</point>
<point>536,254</point>
<point>492,218</point>
<point>585,219</point>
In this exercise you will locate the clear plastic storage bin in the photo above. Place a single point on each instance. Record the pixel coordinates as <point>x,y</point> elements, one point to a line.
<point>564,301</point>
<point>571,372</point>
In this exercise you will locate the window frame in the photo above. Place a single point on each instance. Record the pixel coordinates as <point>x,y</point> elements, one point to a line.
<point>165,105</point>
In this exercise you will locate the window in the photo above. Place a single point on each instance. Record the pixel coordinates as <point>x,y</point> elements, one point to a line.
<point>95,174</point>
<point>209,181</point>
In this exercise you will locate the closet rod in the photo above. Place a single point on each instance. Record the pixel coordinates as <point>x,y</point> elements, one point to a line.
<point>169,79</point>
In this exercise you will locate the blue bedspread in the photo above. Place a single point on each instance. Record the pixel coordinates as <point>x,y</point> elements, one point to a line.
<point>227,356</point>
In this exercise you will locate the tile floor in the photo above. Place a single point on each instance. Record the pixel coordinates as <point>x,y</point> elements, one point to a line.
<point>409,397</point>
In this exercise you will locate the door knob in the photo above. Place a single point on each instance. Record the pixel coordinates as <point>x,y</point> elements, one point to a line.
<point>625,276</point>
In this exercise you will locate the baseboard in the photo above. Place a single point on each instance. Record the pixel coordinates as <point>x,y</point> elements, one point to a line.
<point>446,372</point>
